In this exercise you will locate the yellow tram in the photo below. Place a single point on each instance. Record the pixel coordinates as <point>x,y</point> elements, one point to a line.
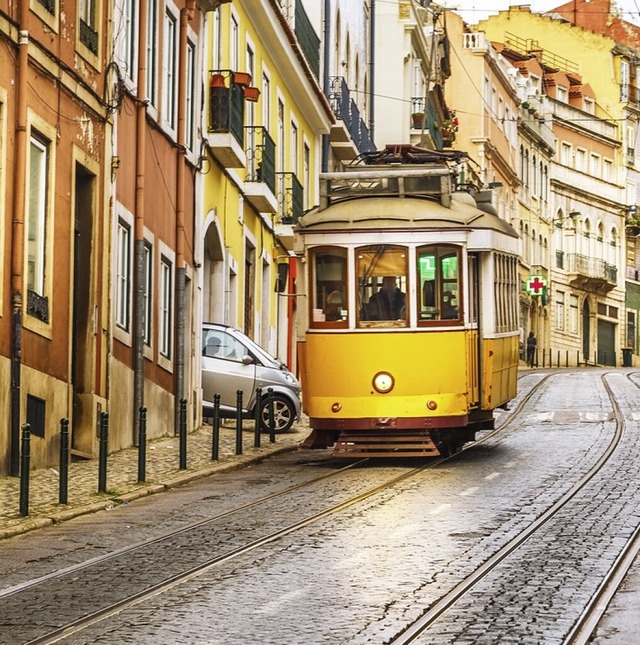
<point>408,327</point>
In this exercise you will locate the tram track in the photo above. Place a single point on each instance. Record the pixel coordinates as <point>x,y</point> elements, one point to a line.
<point>588,621</point>
<point>110,608</point>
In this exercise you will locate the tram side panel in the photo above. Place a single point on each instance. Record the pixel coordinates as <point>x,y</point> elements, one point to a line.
<point>499,370</point>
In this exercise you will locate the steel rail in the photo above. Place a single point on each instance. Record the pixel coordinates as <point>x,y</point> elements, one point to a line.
<point>414,630</point>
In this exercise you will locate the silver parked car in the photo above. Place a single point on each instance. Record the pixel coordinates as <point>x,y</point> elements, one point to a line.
<point>231,361</point>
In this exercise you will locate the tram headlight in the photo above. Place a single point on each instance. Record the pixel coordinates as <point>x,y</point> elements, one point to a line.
<point>383,382</point>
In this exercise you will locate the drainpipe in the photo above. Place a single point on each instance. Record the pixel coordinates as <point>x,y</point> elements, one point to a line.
<point>372,69</point>
<point>17,242</point>
<point>325,80</point>
<point>186,15</point>
<point>138,277</point>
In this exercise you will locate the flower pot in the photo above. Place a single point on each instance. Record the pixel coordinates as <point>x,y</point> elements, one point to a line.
<point>251,94</point>
<point>242,78</point>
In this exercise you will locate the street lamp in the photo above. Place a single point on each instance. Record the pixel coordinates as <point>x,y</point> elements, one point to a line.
<point>573,215</point>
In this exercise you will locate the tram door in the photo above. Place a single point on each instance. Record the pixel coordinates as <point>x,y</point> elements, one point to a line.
<point>473,337</point>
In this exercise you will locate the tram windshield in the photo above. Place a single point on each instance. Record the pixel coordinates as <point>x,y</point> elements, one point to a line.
<point>382,284</point>
<point>439,282</point>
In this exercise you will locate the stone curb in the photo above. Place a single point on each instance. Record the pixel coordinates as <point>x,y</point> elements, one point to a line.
<point>32,524</point>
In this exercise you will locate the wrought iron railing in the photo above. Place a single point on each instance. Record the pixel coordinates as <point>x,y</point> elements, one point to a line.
<point>592,268</point>
<point>226,104</point>
<point>261,156</point>
<point>307,39</point>
<point>346,110</point>
<point>290,197</point>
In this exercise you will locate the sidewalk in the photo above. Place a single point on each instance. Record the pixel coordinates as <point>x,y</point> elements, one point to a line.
<point>162,473</point>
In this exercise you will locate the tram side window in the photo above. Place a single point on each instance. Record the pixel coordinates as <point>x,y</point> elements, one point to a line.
<point>438,283</point>
<point>329,286</point>
<point>382,285</point>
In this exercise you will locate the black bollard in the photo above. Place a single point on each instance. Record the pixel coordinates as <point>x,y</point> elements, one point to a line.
<point>63,485</point>
<point>239,422</point>
<point>272,419</point>
<point>102,455</point>
<point>25,459</point>
<point>215,438</point>
<point>142,445</point>
<point>183,434</point>
<point>258,419</point>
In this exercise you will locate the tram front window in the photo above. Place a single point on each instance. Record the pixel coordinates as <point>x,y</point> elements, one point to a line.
<point>329,286</point>
<point>439,283</point>
<point>382,284</point>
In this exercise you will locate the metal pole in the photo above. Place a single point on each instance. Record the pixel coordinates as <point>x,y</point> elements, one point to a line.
<point>239,422</point>
<point>142,445</point>
<point>272,420</point>
<point>102,457</point>
<point>183,434</point>
<point>257,416</point>
<point>215,440</point>
<point>63,487</point>
<point>25,458</point>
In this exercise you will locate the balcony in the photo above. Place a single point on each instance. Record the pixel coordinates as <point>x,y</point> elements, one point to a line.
<point>591,274</point>
<point>260,182</point>
<point>349,136</point>
<point>290,197</point>
<point>225,130</point>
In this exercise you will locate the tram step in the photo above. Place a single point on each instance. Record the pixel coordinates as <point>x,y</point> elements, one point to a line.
<point>385,444</point>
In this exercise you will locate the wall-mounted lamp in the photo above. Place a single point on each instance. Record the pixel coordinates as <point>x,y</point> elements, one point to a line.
<point>495,184</point>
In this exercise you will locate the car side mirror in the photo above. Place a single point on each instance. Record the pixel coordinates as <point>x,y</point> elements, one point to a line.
<point>247,360</point>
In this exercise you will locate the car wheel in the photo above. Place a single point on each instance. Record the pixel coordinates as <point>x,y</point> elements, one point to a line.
<point>284,414</point>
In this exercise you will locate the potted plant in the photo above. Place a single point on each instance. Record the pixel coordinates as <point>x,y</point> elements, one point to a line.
<point>251,94</point>
<point>242,78</point>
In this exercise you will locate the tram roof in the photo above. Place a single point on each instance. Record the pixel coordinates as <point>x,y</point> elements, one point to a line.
<point>404,212</point>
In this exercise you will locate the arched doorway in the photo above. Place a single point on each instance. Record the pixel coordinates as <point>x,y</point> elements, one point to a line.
<point>213,290</point>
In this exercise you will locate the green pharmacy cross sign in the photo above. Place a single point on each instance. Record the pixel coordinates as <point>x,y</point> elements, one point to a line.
<point>536,285</point>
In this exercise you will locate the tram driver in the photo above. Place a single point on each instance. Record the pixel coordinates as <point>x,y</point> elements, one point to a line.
<point>386,304</point>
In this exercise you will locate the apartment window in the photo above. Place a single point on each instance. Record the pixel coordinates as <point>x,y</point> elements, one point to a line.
<point>234,39</point>
<point>573,314</point>
<point>49,5</point>
<point>566,154</point>
<point>307,175</point>
<point>148,291</point>
<point>166,307</point>
<point>170,81</point>
<point>37,215</point>
<point>624,81</point>
<point>607,170</point>
<point>266,103</point>
<point>294,148</point>
<point>190,98</point>
<point>595,163</point>
<point>581,159</point>
<point>152,52</point>
<point>217,39</point>
<point>129,43</point>
<point>123,273</point>
<point>88,24</point>
<point>631,143</point>
<point>562,94</point>
<point>589,105</point>
<point>559,310</point>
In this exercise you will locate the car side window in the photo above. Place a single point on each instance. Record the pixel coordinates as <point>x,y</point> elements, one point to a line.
<point>220,344</point>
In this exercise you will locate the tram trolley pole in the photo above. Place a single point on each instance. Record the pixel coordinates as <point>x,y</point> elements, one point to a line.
<point>183,434</point>
<point>63,483</point>
<point>272,418</point>
<point>215,436</point>
<point>102,455</point>
<point>142,445</point>
<point>257,418</point>
<point>239,422</point>
<point>25,459</point>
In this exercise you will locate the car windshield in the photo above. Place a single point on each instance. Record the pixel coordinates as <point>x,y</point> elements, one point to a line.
<point>264,356</point>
